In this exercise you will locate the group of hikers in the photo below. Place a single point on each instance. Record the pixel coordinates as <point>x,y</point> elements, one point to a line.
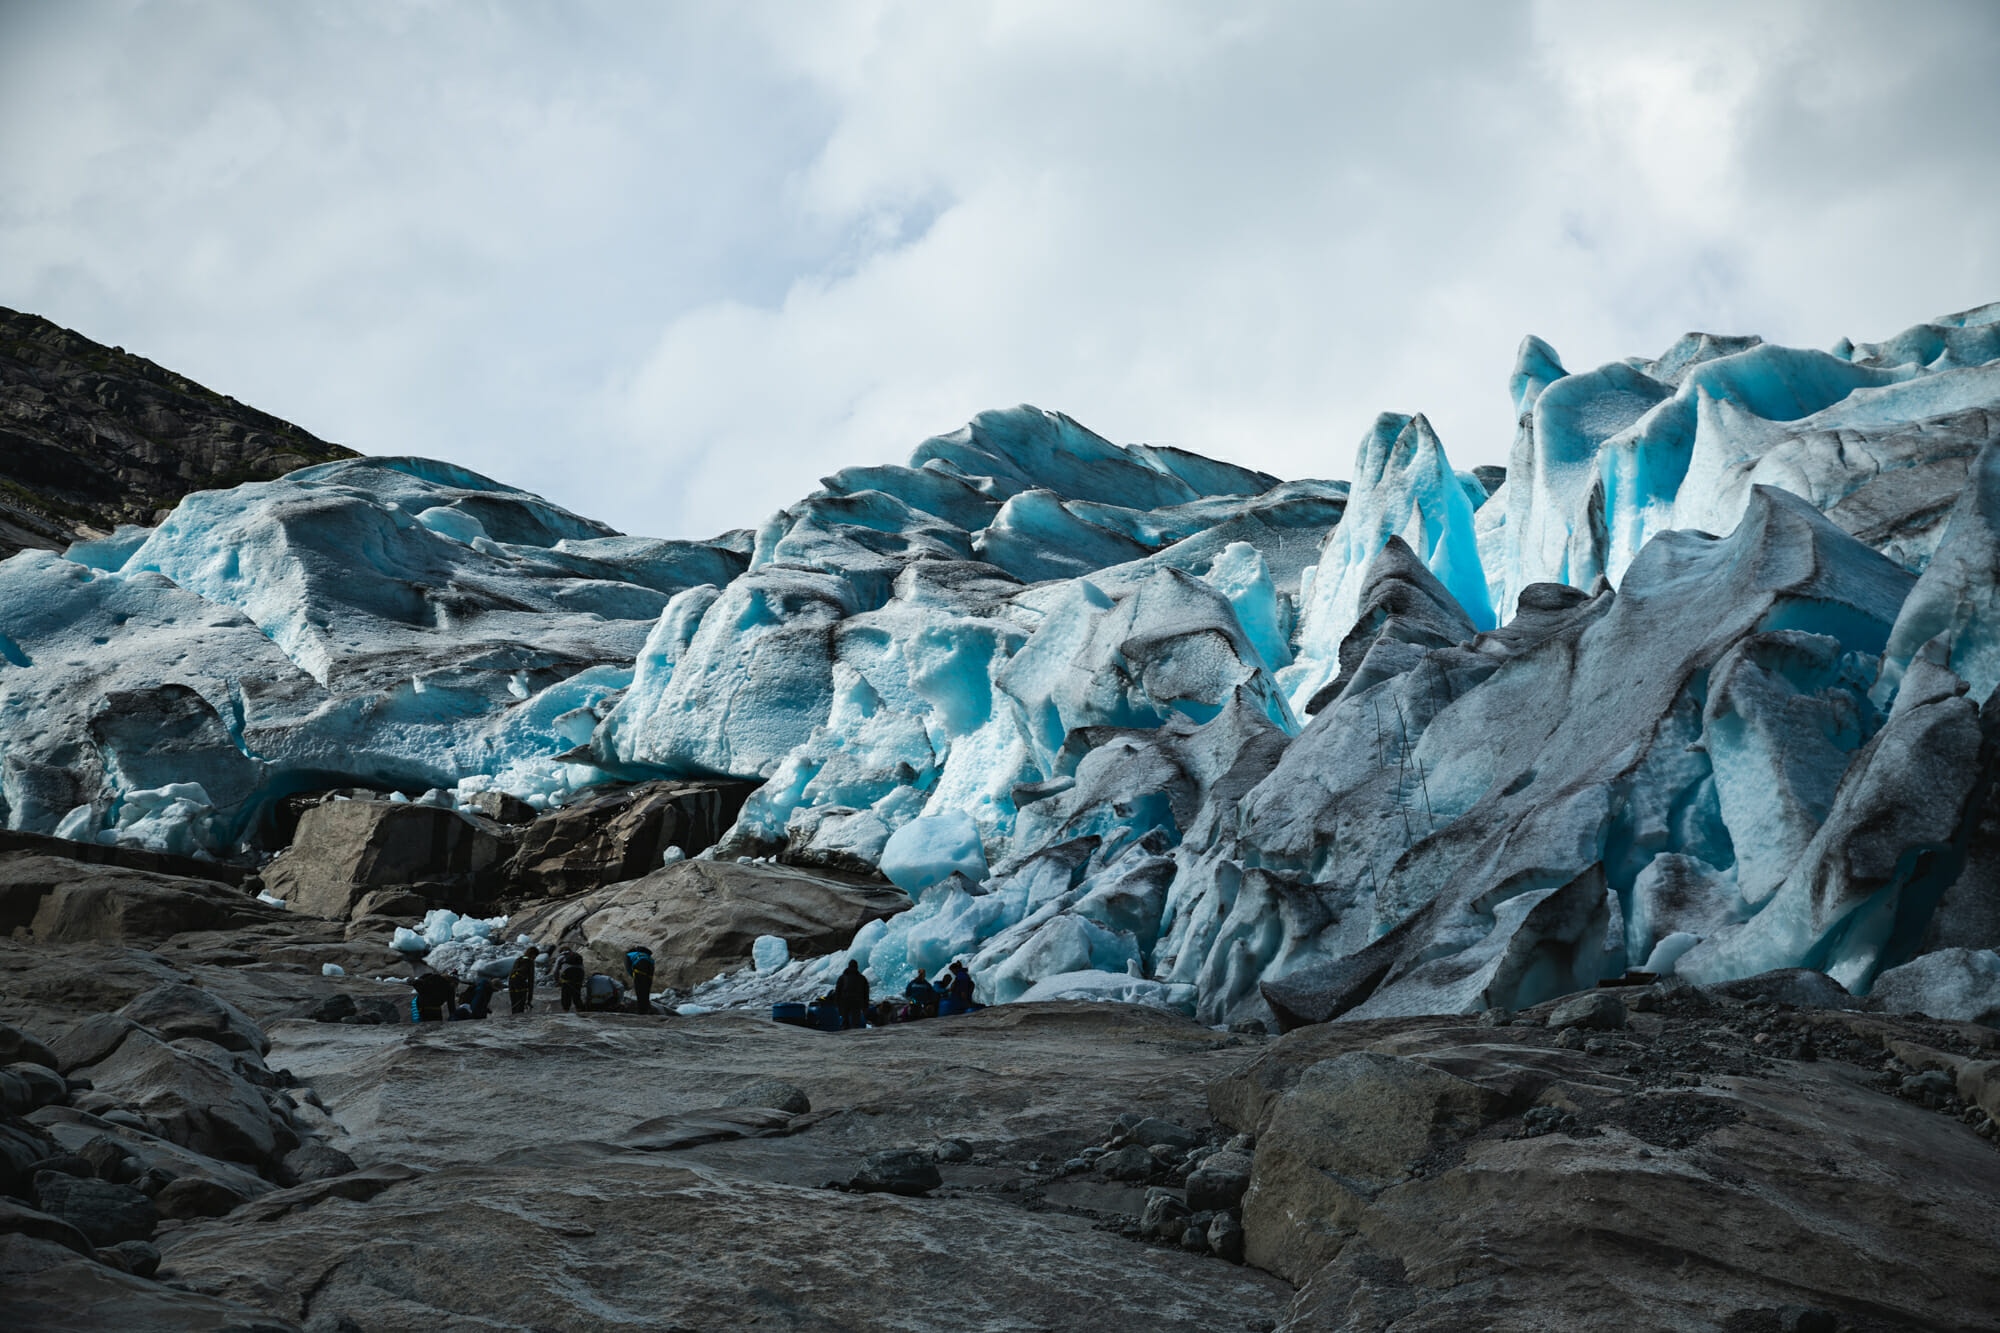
<point>922,998</point>
<point>441,997</point>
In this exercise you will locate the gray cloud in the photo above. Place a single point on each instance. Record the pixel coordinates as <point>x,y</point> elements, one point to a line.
<point>668,265</point>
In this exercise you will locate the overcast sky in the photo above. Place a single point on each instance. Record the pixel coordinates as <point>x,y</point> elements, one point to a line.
<point>669,264</point>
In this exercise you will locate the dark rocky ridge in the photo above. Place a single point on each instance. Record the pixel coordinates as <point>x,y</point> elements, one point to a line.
<point>93,436</point>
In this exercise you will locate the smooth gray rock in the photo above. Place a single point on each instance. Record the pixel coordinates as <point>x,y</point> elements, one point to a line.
<point>92,1040</point>
<point>1165,1215</point>
<point>1220,1181</point>
<point>1153,1132</point>
<point>1597,1010</point>
<point>200,1103</point>
<point>22,1146</point>
<point>158,1161</point>
<point>191,1196</point>
<point>103,1212</point>
<point>56,900</point>
<point>620,834</point>
<point>1130,1162</point>
<point>1225,1237</point>
<point>1351,1128</point>
<point>17,1047</point>
<point>701,917</point>
<point>16,1218</point>
<point>774,1093</point>
<point>188,1011</point>
<point>898,1171</point>
<point>137,1257</point>
<point>17,1097</point>
<point>345,849</point>
<point>313,1161</point>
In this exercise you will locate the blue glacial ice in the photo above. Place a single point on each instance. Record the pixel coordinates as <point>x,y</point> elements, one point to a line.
<point>1697,686</point>
<point>1404,487</point>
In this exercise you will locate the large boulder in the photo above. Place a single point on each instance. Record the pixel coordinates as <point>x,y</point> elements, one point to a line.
<point>56,900</point>
<point>621,834</point>
<point>344,849</point>
<point>1395,1197</point>
<point>17,1219</point>
<point>1351,1128</point>
<point>17,1047</point>
<point>187,1011</point>
<point>105,1213</point>
<point>701,917</point>
<point>196,1095</point>
<point>71,1130</point>
<point>51,1288</point>
<point>22,1145</point>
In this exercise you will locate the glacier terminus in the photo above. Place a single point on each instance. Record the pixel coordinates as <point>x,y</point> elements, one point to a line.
<point>1701,684</point>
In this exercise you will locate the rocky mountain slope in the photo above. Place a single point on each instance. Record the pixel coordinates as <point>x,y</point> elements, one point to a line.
<point>94,436</point>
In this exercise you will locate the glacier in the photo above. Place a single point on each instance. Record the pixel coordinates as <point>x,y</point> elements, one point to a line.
<point>1701,683</point>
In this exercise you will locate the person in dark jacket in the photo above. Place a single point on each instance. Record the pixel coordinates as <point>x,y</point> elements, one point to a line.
<point>569,975</point>
<point>475,1000</point>
<point>959,983</point>
<point>923,996</point>
<point>850,997</point>
<point>432,1001</point>
<point>639,962</point>
<point>521,981</point>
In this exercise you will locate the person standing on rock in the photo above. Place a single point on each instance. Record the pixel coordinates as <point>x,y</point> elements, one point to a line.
<point>958,983</point>
<point>521,981</point>
<point>850,997</point>
<point>569,974</point>
<point>639,962</point>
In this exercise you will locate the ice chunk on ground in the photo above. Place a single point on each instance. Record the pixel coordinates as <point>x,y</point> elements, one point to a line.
<point>177,818</point>
<point>931,849</point>
<point>332,970</point>
<point>1962,985</point>
<point>769,953</point>
<point>1668,952</point>
<point>1113,987</point>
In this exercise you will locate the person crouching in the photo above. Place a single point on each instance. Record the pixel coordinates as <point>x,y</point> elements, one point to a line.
<point>639,962</point>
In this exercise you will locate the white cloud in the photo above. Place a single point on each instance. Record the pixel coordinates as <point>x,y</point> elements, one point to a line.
<point>670,266</point>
